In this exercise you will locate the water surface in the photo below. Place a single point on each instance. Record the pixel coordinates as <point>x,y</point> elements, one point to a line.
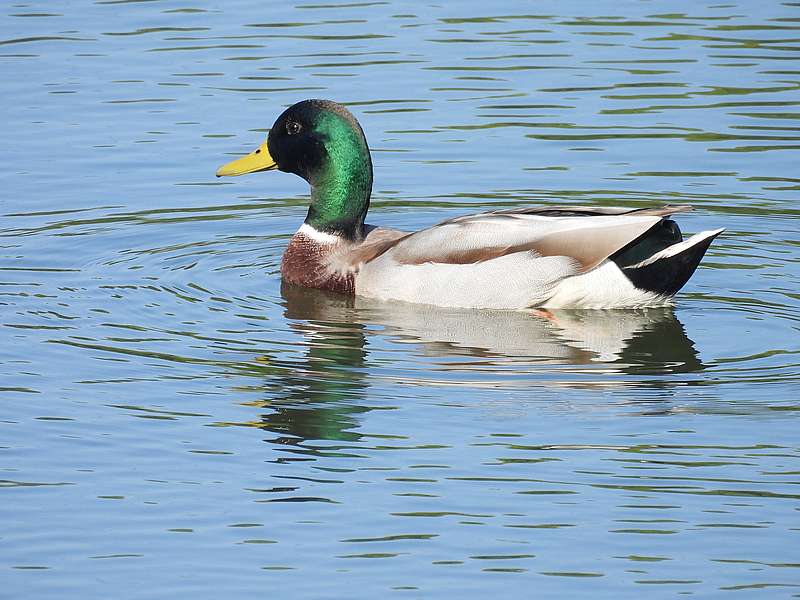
<point>174,422</point>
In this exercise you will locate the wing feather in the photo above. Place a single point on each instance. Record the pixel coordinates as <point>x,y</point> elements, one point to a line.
<point>588,240</point>
<point>585,211</point>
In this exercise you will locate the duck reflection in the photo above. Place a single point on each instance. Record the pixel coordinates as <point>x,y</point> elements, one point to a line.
<point>631,341</point>
<point>322,398</point>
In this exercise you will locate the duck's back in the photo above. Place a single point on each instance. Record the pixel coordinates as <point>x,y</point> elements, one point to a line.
<point>569,258</point>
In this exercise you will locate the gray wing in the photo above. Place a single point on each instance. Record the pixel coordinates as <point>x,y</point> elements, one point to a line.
<point>587,239</point>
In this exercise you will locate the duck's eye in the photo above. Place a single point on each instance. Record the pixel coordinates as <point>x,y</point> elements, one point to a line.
<point>293,127</point>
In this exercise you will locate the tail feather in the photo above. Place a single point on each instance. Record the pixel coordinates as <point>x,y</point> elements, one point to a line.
<point>668,270</point>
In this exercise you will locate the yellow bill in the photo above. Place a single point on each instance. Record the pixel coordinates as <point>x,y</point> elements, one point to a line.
<point>258,160</point>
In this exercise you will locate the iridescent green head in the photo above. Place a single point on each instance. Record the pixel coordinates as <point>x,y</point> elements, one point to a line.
<point>322,142</point>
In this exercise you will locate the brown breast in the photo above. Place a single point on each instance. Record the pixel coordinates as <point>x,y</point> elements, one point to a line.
<point>306,262</point>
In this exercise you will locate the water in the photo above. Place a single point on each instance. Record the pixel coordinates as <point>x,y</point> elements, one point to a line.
<point>175,424</point>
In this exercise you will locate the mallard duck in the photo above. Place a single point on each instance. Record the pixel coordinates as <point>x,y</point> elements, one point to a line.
<point>549,257</point>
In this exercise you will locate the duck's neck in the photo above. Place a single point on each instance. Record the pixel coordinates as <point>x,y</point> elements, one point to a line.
<point>340,191</point>
<point>340,209</point>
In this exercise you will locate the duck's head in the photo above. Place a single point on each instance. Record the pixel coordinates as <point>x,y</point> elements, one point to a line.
<point>322,142</point>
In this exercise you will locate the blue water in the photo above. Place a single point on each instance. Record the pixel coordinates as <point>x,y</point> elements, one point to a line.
<point>174,423</point>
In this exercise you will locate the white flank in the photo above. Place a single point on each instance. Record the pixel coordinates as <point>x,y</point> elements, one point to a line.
<point>513,281</point>
<point>318,236</point>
